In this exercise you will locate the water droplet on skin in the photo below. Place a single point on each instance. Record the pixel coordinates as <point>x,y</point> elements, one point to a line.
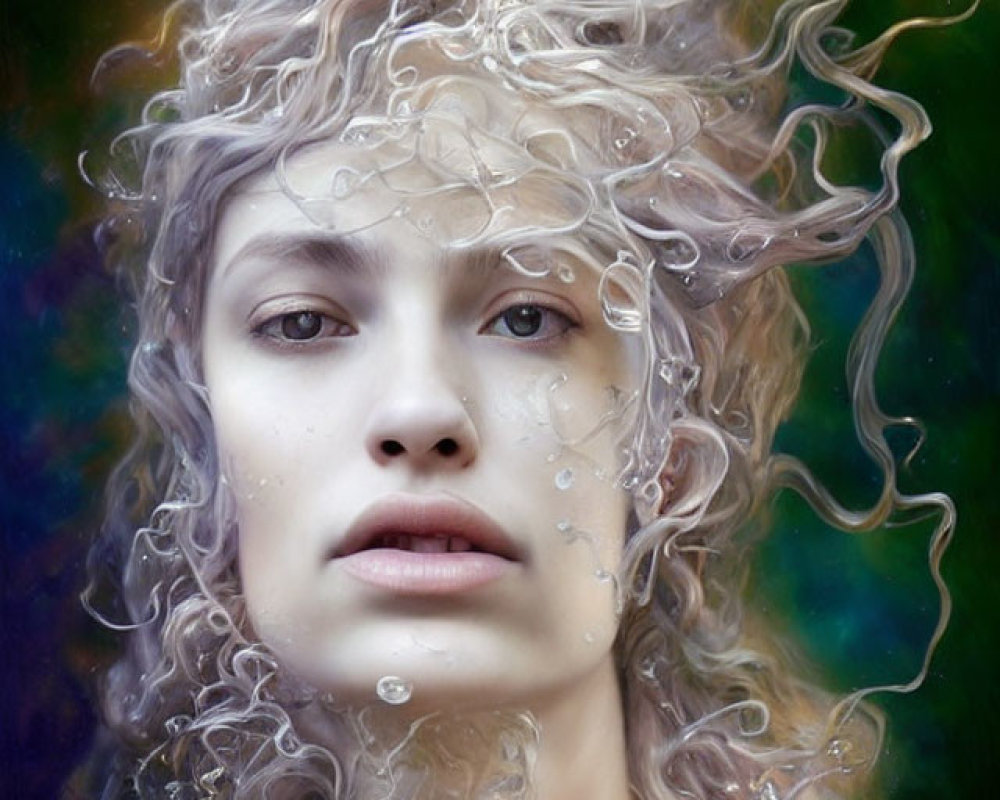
<point>588,637</point>
<point>551,457</point>
<point>393,690</point>
<point>564,526</point>
<point>262,482</point>
<point>564,479</point>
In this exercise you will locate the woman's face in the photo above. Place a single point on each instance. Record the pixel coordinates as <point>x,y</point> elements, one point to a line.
<point>422,442</point>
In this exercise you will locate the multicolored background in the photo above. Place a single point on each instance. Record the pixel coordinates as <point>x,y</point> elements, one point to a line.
<point>861,607</point>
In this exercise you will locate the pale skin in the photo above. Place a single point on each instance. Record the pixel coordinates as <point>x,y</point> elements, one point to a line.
<point>353,365</point>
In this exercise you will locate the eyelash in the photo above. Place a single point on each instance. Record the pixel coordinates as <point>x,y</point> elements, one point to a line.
<point>327,327</point>
<point>549,317</point>
<point>273,328</point>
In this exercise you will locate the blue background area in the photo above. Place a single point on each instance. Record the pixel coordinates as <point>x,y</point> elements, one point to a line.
<point>861,608</point>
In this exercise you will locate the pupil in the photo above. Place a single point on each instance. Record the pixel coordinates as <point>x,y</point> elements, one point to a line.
<point>523,320</point>
<point>303,325</point>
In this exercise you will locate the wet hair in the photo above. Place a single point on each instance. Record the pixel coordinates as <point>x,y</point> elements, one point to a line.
<point>680,158</point>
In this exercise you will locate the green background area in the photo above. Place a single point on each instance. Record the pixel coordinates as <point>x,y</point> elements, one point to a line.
<point>861,607</point>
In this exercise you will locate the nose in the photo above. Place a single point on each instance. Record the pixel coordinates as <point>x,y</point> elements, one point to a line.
<point>421,421</point>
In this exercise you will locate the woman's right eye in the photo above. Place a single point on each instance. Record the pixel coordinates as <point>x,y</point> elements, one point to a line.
<point>296,327</point>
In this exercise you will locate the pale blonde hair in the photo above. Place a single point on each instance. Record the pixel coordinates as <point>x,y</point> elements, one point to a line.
<point>695,177</point>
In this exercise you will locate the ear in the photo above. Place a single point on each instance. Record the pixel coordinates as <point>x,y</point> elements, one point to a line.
<point>695,466</point>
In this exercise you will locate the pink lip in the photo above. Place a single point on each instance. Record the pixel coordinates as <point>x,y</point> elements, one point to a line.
<point>492,556</point>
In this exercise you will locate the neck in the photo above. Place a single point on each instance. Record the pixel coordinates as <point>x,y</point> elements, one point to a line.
<point>571,741</point>
<point>582,748</point>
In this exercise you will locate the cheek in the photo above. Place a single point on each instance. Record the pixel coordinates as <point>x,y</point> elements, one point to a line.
<point>559,435</point>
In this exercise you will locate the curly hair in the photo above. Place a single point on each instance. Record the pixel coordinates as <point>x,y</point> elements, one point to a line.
<point>692,166</point>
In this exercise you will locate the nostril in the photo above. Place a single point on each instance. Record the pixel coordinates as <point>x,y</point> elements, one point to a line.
<point>447,447</point>
<point>391,447</point>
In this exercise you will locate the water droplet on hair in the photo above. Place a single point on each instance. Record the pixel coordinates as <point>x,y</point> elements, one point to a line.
<point>647,669</point>
<point>509,748</point>
<point>177,724</point>
<point>741,100</point>
<point>393,690</point>
<point>564,479</point>
<point>746,245</point>
<point>678,253</point>
<point>767,791</point>
<point>838,749</point>
<point>344,182</point>
<point>178,790</point>
<point>732,788</point>
<point>627,137</point>
<point>210,778</point>
<point>565,273</point>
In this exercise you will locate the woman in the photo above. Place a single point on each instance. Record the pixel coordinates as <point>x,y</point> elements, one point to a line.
<point>464,339</point>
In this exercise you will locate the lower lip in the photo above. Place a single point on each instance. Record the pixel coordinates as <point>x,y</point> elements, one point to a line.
<point>407,572</point>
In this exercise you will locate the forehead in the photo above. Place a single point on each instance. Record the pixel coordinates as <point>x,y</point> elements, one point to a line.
<point>439,188</point>
<point>457,188</point>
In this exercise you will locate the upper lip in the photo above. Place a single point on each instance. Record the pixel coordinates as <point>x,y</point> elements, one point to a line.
<point>427,517</point>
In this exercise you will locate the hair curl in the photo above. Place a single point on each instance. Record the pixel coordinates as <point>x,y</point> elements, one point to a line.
<point>695,168</point>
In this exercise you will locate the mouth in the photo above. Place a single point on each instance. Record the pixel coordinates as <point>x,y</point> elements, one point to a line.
<point>417,545</point>
<point>422,544</point>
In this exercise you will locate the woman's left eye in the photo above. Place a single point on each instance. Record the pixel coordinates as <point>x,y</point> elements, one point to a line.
<point>529,321</point>
<point>303,326</point>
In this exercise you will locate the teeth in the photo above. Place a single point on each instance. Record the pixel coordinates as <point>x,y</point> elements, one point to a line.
<point>430,545</point>
<point>424,544</point>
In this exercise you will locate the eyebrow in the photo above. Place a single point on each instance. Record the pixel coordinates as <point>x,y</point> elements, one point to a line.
<point>350,256</point>
<point>326,250</point>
